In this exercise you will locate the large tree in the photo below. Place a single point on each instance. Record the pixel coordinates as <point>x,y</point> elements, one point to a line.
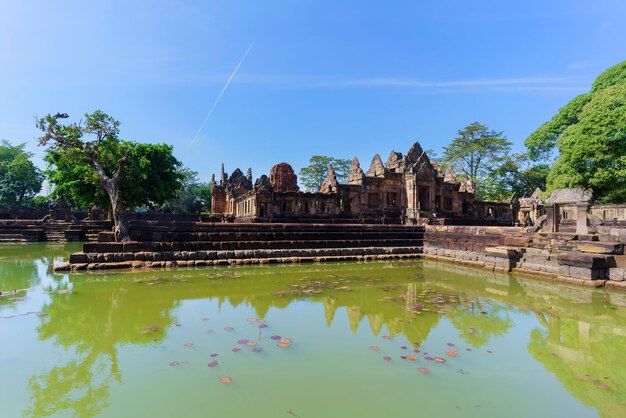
<point>517,174</point>
<point>313,175</point>
<point>20,179</point>
<point>193,197</point>
<point>589,137</point>
<point>476,151</point>
<point>89,164</point>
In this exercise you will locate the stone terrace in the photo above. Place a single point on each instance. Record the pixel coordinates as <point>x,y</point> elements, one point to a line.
<point>170,244</point>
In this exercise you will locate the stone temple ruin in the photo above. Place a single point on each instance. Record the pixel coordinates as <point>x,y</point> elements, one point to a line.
<point>407,189</point>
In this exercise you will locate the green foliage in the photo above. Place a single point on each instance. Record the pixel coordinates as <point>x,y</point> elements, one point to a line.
<point>611,77</point>
<point>313,175</point>
<point>593,151</point>
<point>193,197</point>
<point>20,180</point>
<point>151,174</point>
<point>589,134</point>
<point>476,152</point>
<point>515,175</point>
<point>542,142</point>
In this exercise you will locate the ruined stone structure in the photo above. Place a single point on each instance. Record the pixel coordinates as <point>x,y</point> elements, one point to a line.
<point>410,189</point>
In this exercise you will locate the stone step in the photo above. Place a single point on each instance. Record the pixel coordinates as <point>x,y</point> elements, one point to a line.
<point>597,247</point>
<point>82,261</point>
<point>244,245</point>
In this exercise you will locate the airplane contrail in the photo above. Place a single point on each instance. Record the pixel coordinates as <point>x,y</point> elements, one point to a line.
<point>221,93</point>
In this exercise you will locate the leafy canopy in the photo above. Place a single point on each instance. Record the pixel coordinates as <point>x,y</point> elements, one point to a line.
<point>151,172</point>
<point>313,175</point>
<point>20,179</point>
<point>193,197</point>
<point>589,134</point>
<point>476,151</point>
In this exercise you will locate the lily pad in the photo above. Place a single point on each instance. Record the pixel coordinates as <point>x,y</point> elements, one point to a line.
<point>284,342</point>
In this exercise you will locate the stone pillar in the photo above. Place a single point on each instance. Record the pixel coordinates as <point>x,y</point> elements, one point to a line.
<point>582,226</point>
<point>552,218</point>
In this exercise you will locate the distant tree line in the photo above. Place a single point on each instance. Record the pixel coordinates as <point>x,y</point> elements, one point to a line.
<point>583,145</point>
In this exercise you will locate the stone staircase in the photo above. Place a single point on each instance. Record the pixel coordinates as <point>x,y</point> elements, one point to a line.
<point>183,244</point>
<point>21,230</point>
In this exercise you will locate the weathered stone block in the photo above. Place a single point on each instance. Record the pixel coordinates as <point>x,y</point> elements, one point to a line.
<point>106,236</point>
<point>586,260</point>
<point>78,258</point>
<point>517,241</point>
<point>588,273</point>
<point>616,274</point>
<point>601,247</point>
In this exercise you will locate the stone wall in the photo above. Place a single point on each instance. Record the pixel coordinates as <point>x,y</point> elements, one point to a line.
<point>162,244</point>
<point>588,260</point>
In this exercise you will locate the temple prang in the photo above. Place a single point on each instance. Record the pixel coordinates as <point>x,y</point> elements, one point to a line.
<point>408,189</point>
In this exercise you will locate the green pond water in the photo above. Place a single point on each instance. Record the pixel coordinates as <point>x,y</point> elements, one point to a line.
<point>140,344</point>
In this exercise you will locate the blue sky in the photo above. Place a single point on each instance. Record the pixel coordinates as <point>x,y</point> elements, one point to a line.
<point>339,78</point>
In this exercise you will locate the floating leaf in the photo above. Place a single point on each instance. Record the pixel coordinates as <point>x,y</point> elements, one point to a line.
<point>387,358</point>
<point>226,380</point>
<point>452,353</point>
<point>212,364</point>
<point>275,337</point>
<point>284,342</point>
<point>188,345</point>
<point>374,347</point>
<point>175,363</point>
<point>423,370</point>
<point>440,360</point>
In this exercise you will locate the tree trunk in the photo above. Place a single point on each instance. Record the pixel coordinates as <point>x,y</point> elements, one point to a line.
<point>113,187</point>
<point>121,229</point>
